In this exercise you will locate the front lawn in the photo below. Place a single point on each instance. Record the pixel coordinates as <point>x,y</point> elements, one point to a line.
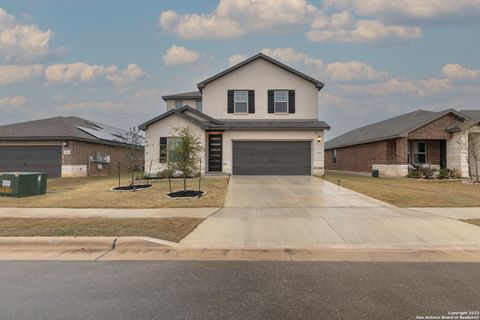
<point>94,192</point>
<point>403,192</point>
<point>171,229</point>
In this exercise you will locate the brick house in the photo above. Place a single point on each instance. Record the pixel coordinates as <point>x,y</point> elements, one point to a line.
<point>445,139</point>
<point>64,147</point>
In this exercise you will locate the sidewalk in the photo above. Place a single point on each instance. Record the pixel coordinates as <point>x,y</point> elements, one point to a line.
<point>106,213</point>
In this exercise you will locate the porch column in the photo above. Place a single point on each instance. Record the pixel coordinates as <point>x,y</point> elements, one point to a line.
<point>401,152</point>
<point>457,152</point>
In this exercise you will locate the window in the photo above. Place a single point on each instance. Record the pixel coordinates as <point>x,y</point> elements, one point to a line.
<point>178,104</point>
<point>334,156</point>
<point>240,101</point>
<point>167,147</point>
<point>280,101</point>
<point>198,105</point>
<point>419,152</point>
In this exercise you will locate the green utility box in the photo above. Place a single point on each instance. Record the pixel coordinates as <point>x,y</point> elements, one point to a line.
<point>375,173</point>
<point>23,184</point>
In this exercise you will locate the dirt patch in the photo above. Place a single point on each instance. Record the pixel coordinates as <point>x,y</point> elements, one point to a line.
<point>472,221</point>
<point>186,194</point>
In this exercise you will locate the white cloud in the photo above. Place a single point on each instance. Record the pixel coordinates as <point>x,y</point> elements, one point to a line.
<point>82,72</point>
<point>13,74</point>
<point>456,71</point>
<point>23,42</point>
<point>234,18</point>
<point>397,87</point>
<point>132,74</point>
<point>336,71</point>
<point>235,59</point>
<point>363,31</point>
<point>291,56</point>
<point>180,55</point>
<point>416,12</point>
<point>353,70</point>
<point>13,101</point>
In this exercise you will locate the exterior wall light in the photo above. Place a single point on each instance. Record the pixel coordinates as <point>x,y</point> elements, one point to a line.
<point>319,139</point>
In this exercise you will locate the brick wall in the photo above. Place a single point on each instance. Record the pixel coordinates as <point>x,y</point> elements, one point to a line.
<point>435,129</point>
<point>81,151</point>
<point>357,158</point>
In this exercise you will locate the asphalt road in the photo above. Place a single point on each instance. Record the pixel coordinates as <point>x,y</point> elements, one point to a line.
<point>235,290</point>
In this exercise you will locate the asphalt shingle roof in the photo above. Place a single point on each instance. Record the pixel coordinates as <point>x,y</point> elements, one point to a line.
<point>391,128</point>
<point>62,128</point>
<point>195,95</point>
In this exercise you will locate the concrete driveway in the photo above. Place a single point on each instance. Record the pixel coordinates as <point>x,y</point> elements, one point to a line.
<point>308,212</point>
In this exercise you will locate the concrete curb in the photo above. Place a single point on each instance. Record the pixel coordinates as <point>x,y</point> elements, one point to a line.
<point>145,248</point>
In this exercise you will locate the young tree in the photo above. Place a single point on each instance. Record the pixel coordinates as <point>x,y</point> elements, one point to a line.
<point>184,153</point>
<point>132,139</point>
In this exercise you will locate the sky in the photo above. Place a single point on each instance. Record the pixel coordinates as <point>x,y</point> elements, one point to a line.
<point>112,60</point>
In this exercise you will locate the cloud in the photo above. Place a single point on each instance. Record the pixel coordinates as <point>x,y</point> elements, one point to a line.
<point>397,87</point>
<point>132,74</point>
<point>353,70</point>
<point>104,106</point>
<point>13,101</point>
<point>180,55</point>
<point>336,71</point>
<point>362,31</point>
<point>14,74</point>
<point>81,72</point>
<point>413,12</point>
<point>235,59</point>
<point>235,18</point>
<point>23,42</point>
<point>456,71</point>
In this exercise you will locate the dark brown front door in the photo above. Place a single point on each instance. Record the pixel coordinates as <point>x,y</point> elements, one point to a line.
<point>215,153</point>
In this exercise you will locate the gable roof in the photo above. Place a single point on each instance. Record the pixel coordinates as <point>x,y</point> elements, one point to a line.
<point>387,129</point>
<point>260,55</point>
<point>182,112</point>
<point>194,95</point>
<point>63,128</point>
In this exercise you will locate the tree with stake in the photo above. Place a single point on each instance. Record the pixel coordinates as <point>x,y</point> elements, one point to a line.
<point>132,139</point>
<point>184,153</point>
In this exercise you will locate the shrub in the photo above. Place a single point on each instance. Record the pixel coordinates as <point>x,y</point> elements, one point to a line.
<point>427,172</point>
<point>414,174</point>
<point>443,174</point>
<point>454,174</point>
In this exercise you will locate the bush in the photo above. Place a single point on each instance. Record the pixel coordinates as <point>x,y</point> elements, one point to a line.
<point>163,174</point>
<point>427,173</point>
<point>454,174</point>
<point>414,174</point>
<point>443,174</point>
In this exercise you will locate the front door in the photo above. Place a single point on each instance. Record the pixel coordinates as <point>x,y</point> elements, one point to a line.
<point>215,153</point>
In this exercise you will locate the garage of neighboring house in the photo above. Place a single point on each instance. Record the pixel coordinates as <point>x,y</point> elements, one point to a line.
<point>272,157</point>
<point>65,147</point>
<point>31,158</point>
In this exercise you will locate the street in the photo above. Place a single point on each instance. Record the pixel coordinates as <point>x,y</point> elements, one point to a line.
<point>235,290</point>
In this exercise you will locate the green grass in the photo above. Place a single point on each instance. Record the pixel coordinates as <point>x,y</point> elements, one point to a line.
<point>403,192</point>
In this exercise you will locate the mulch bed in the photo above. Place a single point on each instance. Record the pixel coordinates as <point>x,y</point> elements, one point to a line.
<point>186,194</point>
<point>132,187</point>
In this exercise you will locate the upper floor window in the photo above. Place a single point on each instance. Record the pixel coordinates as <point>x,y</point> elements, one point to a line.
<point>198,105</point>
<point>420,152</point>
<point>240,101</point>
<point>178,104</point>
<point>280,101</point>
<point>334,156</point>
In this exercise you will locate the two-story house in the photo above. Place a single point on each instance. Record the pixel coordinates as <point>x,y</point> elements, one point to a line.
<point>259,117</point>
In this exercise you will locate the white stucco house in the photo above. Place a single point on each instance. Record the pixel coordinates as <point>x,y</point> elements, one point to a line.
<point>258,117</point>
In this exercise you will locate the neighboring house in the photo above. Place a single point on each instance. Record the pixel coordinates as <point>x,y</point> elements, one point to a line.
<point>259,117</point>
<point>63,147</point>
<point>445,139</point>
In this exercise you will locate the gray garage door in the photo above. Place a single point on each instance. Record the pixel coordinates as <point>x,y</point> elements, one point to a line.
<point>32,158</point>
<point>271,157</point>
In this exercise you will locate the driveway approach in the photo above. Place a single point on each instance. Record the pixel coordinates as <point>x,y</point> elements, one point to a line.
<point>308,212</point>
